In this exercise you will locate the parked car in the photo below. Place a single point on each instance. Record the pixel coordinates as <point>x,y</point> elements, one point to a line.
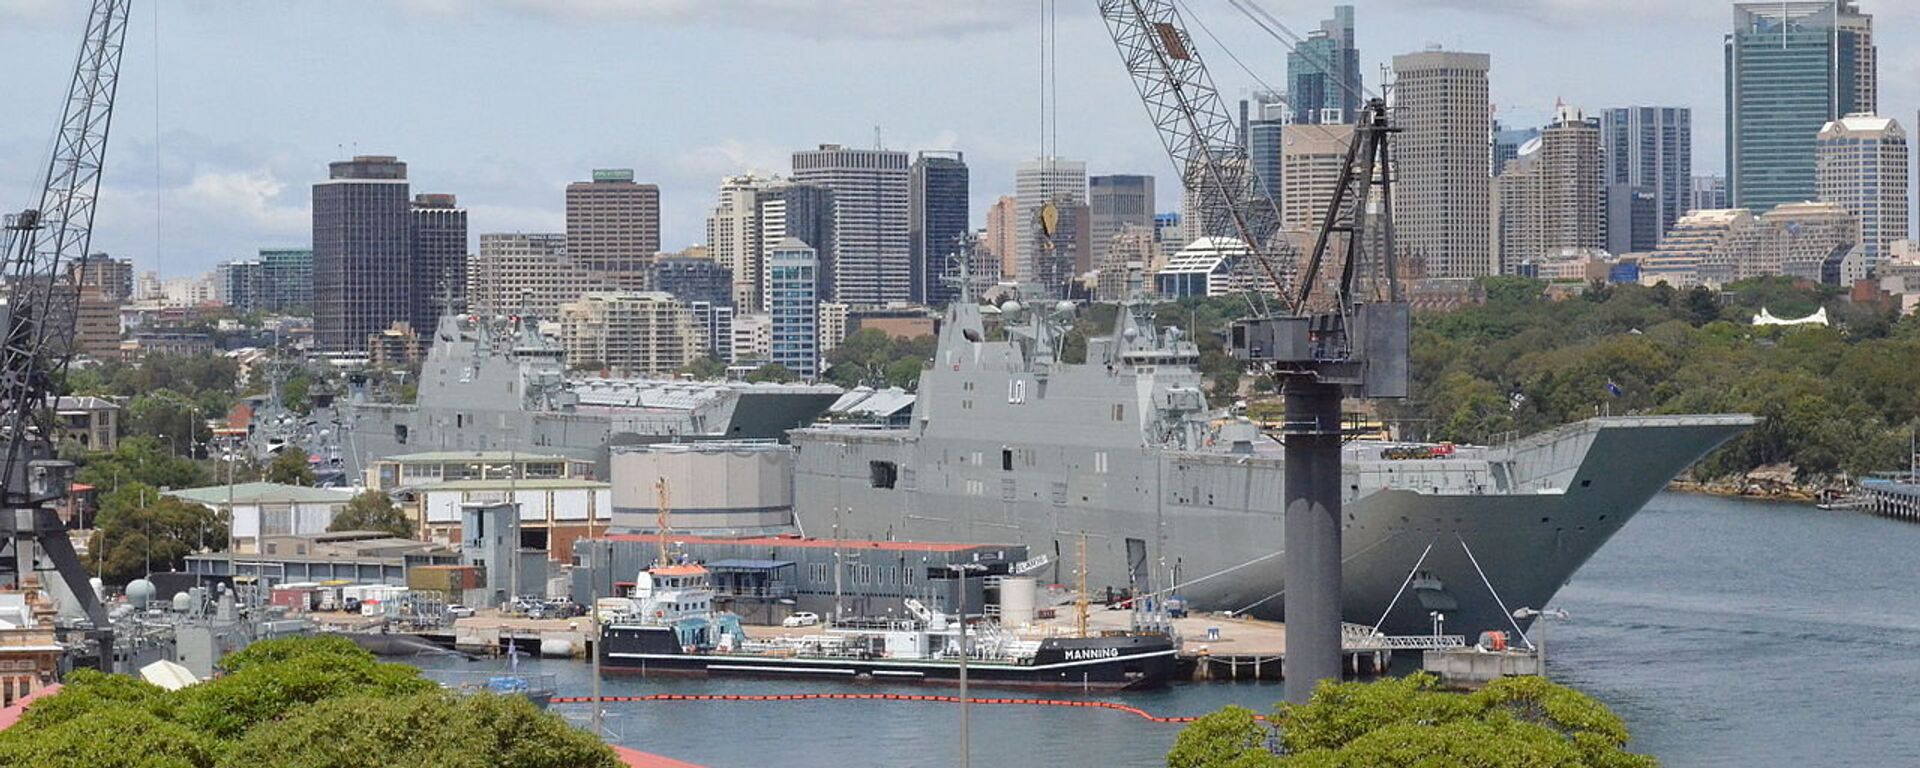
<point>801,619</point>
<point>459,611</point>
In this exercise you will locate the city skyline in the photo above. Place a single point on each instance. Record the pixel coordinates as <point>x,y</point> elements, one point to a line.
<point>234,173</point>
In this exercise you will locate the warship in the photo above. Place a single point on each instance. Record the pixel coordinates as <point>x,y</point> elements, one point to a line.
<point>498,384</point>
<point>1008,443</point>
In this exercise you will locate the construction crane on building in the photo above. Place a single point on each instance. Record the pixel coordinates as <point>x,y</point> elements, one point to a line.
<point>44,251</point>
<point>1353,343</point>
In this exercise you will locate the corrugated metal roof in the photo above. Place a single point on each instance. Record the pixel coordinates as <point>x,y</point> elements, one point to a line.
<point>255,493</point>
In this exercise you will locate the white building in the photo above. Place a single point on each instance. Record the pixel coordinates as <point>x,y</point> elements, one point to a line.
<point>1035,182</point>
<point>752,338</point>
<point>873,261</point>
<point>630,334</point>
<point>526,273</point>
<point>733,237</point>
<point>1860,163</point>
<point>1443,197</point>
<point>287,510</point>
<point>1204,268</point>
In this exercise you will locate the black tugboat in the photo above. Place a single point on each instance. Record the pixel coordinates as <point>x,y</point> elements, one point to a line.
<point>675,631</point>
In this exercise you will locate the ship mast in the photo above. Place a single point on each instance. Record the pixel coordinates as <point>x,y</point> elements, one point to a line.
<point>1080,603</point>
<point>664,520</point>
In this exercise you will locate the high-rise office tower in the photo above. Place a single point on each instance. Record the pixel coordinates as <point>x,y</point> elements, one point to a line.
<point>872,263</point>
<point>1441,202</point>
<point>439,261</point>
<point>1114,203</point>
<point>1323,73</point>
<point>1649,173</point>
<point>1506,145</point>
<point>793,302</point>
<point>1265,137</point>
<point>1709,193</point>
<point>734,237</point>
<point>1791,67</point>
<point>1552,199</point>
<point>1003,235</point>
<point>527,274</point>
<point>803,212</point>
<point>937,202</point>
<point>363,277</point>
<point>1313,159</point>
<point>1861,164</point>
<point>693,279</point>
<point>1035,182</point>
<point>613,226</point>
<point>289,277</point>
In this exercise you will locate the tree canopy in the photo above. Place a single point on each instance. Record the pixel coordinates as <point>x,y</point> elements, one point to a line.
<point>139,531</point>
<point>290,467</point>
<point>372,511</point>
<point>1515,722</point>
<point>773,373</point>
<point>292,703</point>
<point>872,357</point>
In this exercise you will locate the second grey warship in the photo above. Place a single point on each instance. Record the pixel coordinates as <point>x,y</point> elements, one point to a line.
<point>492,384</point>
<point>1008,443</point>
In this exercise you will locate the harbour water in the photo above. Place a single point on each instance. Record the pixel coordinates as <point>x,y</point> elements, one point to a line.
<point>1726,632</point>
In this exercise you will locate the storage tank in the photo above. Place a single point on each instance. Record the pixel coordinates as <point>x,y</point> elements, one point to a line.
<point>735,485</point>
<point>1017,600</point>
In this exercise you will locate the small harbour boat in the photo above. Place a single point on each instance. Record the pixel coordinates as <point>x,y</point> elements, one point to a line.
<point>674,630</point>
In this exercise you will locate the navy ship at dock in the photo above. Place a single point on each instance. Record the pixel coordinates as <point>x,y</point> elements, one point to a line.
<point>673,630</point>
<point>1010,443</point>
<point>496,384</point>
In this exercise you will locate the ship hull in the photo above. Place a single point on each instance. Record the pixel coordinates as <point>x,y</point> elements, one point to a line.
<point>1470,540</point>
<point>1106,663</point>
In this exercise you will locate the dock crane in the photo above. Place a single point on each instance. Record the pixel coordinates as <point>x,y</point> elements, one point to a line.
<point>44,248</point>
<point>1352,344</point>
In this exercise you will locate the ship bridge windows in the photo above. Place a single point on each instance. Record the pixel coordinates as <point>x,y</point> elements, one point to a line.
<point>883,474</point>
<point>1006,459</point>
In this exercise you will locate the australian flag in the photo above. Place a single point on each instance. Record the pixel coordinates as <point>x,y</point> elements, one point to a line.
<point>1614,389</point>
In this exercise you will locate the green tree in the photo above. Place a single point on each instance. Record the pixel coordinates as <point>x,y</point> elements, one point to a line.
<point>139,531</point>
<point>437,729</point>
<point>705,368</point>
<point>142,460</point>
<point>372,511</point>
<point>290,467</point>
<point>174,418</point>
<point>1518,722</point>
<point>772,372</point>
<point>309,701</point>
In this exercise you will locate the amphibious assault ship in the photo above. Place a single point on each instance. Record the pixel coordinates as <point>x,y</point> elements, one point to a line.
<point>493,384</point>
<point>1010,444</point>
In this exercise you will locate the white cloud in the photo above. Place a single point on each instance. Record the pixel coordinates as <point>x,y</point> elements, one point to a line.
<point>29,10</point>
<point>732,156</point>
<point>810,18</point>
<point>250,199</point>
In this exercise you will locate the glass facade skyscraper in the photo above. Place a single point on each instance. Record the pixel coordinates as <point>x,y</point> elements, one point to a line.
<point>1318,66</point>
<point>1649,173</point>
<point>937,204</point>
<point>362,252</point>
<point>1791,67</point>
<point>793,303</point>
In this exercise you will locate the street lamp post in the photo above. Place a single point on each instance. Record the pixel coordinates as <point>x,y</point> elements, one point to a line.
<point>962,569</point>
<point>1540,634</point>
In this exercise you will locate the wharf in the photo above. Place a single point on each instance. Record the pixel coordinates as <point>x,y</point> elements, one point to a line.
<point>1216,647</point>
<point>488,633</point>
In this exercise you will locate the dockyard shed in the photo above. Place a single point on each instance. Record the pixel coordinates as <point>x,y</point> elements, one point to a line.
<point>289,510</point>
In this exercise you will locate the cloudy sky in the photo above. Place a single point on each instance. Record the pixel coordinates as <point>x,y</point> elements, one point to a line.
<point>230,109</point>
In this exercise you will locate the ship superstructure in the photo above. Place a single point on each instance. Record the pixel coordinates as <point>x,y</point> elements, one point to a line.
<point>493,384</point>
<point>1010,443</point>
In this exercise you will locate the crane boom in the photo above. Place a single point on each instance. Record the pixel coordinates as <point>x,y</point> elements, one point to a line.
<point>1200,135</point>
<point>1318,355</point>
<point>36,334</point>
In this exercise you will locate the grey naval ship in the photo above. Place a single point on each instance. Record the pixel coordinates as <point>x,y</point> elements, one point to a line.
<point>1009,444</point>
<point>498,384</point>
